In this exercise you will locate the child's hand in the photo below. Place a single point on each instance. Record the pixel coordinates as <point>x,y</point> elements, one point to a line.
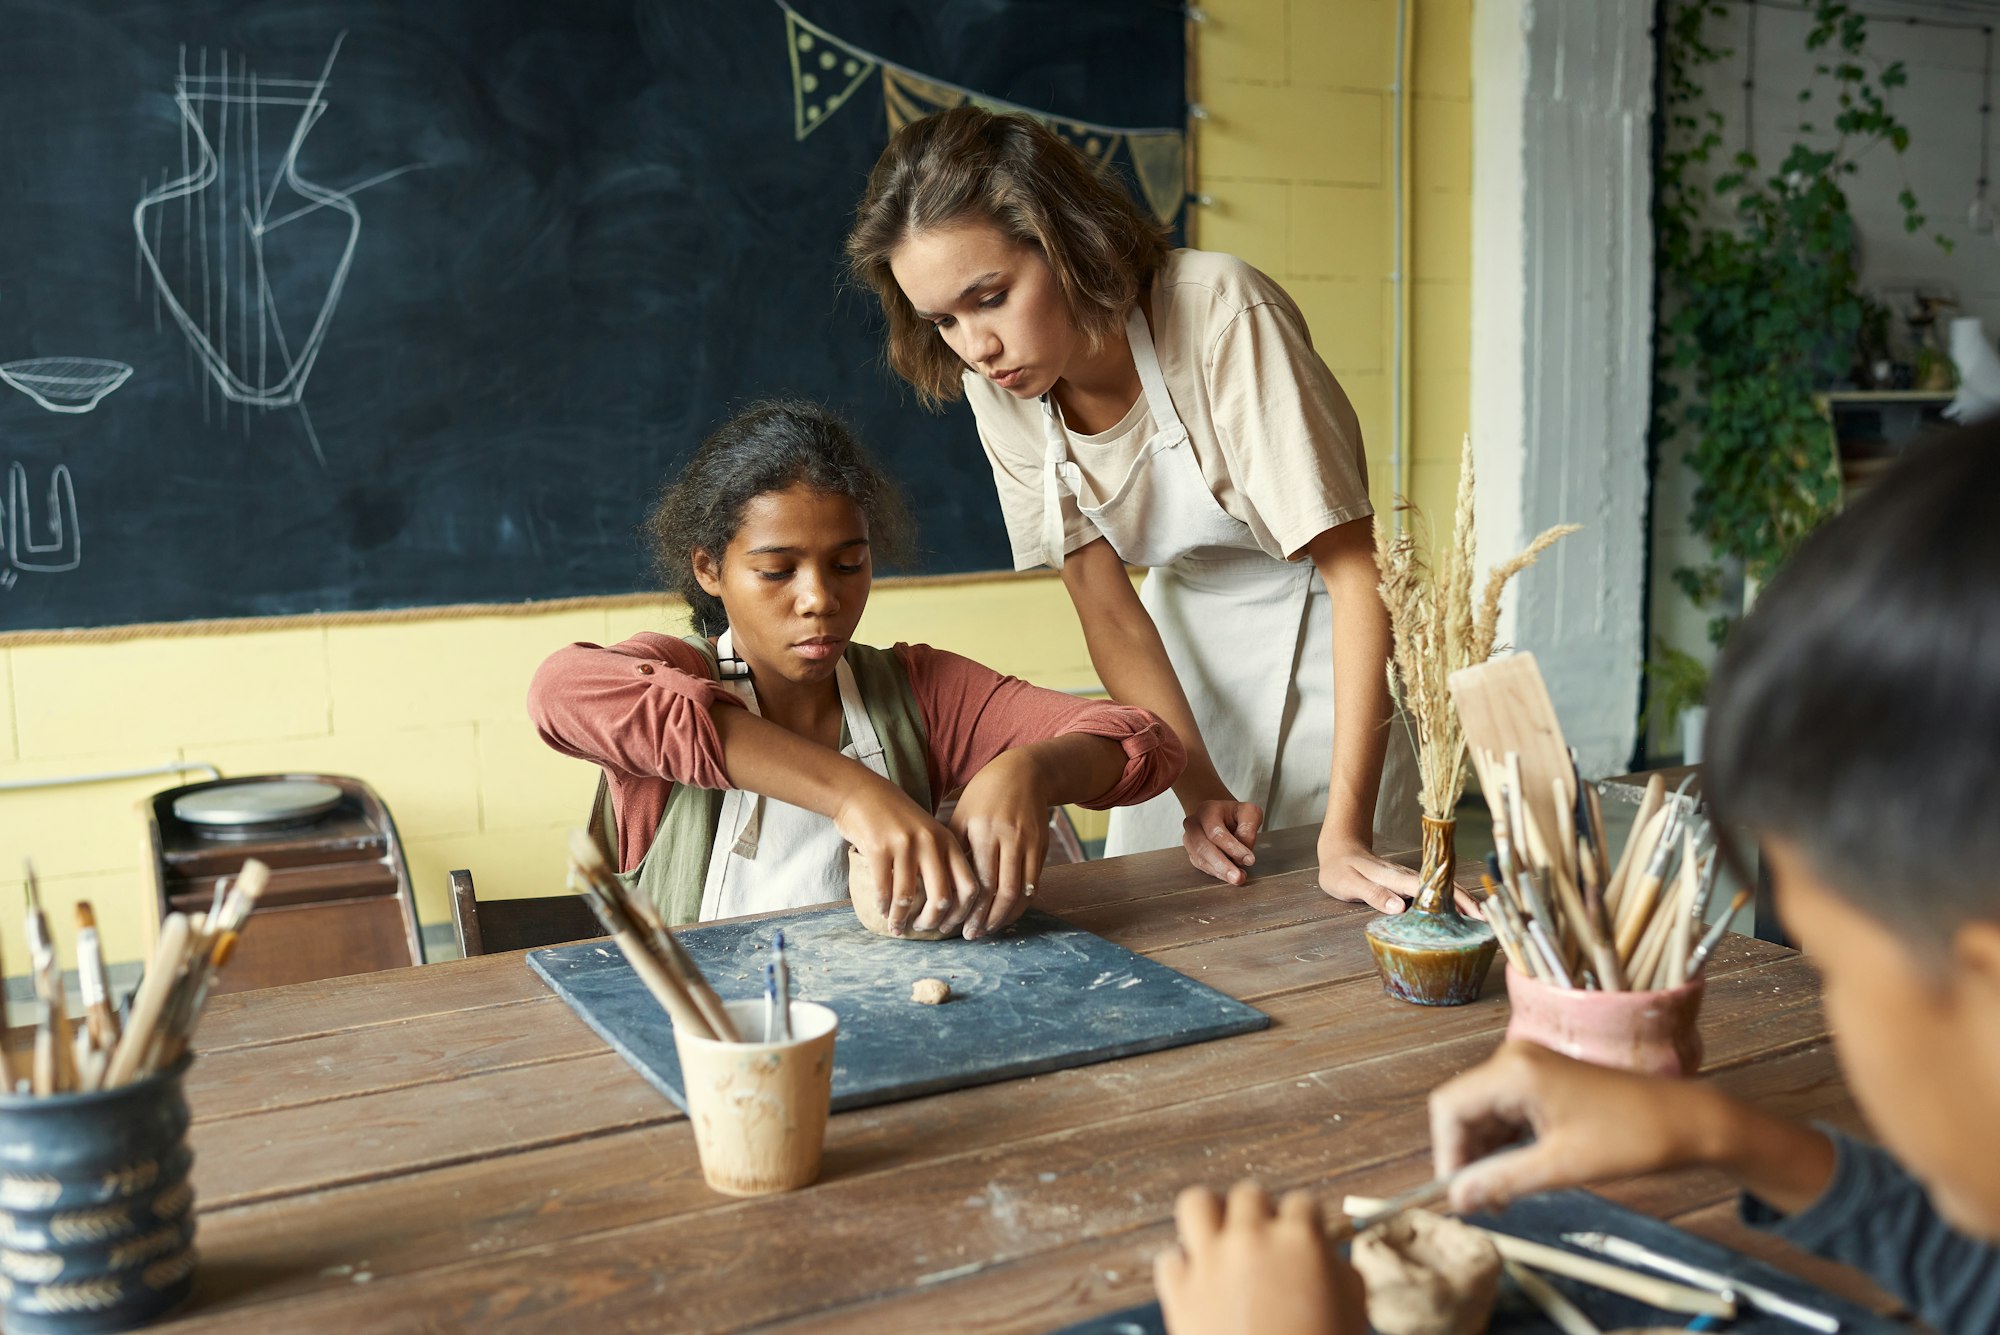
<point>1590,1124</point>
<point>920,873</point>
<point>1246,1269</point>
<point>1003,817</point>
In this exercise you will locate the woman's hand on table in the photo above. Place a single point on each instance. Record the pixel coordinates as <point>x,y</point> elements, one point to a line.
<point>1244,1267</point>
<point>1220,836</point>
<point>1002,817</point>
<point>921,876</point>
<point>1349,869</point>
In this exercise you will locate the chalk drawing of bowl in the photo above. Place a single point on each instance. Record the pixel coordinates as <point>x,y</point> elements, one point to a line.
<point>65,384</point>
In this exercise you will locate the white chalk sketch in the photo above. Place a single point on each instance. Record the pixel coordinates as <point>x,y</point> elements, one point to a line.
<point>224,172</point>
<point>60,544</point>
<point>66,384</point>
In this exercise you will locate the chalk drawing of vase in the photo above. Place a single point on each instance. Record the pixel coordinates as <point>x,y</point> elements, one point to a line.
<point>247,254</point>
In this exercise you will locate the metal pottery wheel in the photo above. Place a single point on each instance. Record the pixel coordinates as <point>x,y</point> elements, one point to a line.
<point>247,810</point>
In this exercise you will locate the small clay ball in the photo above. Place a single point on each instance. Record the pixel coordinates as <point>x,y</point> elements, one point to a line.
<point>1427,1275</point>
<point>931,992</point>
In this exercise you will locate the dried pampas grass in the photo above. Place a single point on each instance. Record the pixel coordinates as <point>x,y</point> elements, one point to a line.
<point>1438,631</point>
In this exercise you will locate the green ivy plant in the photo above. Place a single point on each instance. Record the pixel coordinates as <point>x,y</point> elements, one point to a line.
<point>1760,303</point>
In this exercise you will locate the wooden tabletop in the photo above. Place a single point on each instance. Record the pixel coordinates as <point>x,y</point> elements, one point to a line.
<point>449,1147</point>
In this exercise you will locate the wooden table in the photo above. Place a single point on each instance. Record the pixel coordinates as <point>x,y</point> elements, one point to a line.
<point>449,1148</point>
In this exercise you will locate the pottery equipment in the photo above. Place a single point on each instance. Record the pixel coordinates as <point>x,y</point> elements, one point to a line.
<point>1654,1032</point>
<point>865,907</point>
<point>1431,954</point>
<point>759,1109</point>
<point>1042,996</point>
<point>1545,1218</point>
<point>96,1211</point>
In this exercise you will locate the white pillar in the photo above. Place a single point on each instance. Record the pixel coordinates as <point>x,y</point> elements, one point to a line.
<point>1562,340</point>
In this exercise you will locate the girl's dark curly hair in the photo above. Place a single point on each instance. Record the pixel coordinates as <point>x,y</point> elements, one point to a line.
<point>768,446</point>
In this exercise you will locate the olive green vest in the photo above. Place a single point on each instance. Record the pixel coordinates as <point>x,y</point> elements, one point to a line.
<point>675,867</point>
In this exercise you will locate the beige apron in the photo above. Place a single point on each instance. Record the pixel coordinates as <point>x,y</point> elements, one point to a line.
<point>1247,634</point>
<point>770,854</point>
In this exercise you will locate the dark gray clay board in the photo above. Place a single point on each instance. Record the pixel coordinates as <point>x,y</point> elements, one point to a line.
<point>1546,1218</point>
<point>1044,997</point>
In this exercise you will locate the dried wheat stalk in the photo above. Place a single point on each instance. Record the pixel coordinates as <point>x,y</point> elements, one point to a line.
<point>1438,631</point>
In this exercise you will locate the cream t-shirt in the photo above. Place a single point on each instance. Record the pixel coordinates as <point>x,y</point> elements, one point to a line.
<point>1275,437</point>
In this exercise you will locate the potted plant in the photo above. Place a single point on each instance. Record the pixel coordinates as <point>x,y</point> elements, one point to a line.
<point>1760,302</point>
<point>1679,686</point>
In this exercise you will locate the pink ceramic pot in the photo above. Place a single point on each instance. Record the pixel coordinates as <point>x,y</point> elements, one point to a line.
<point>1653,1032</point>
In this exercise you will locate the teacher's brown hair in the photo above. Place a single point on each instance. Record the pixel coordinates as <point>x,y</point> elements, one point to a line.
<point>1011,170</point>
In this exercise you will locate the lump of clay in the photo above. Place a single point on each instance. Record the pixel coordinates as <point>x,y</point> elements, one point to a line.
<point>931,992</point>
<point>865,907</point>
<point>1427,1275</point>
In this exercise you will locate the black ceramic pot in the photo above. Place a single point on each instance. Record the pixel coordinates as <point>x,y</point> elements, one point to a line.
<point>96,1210</point>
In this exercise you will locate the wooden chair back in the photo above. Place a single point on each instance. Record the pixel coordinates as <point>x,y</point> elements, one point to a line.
<point>498,925</point>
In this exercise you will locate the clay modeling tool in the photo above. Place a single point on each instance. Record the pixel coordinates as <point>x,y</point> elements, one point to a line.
<point>1568,1317</point>
<point>1364,1213</point>
<point>1756,1295</point>
<point>1715,934</point>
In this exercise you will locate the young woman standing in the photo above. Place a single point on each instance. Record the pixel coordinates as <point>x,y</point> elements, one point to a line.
<point>1160,408</point>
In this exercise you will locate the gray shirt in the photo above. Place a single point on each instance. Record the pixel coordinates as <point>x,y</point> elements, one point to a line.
<point>1877,1218</point>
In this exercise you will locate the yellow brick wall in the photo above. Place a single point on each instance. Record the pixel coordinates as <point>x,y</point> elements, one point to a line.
<point>1297,155</point>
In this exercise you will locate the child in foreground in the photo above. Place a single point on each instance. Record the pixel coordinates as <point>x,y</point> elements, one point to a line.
<point>1854,729</point>
<point>738,765</point>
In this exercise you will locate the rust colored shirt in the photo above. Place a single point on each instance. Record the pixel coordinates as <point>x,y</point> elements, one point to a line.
<point>640,711</point>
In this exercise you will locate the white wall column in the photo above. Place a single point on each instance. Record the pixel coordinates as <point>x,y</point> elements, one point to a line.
<point>1562,313</point>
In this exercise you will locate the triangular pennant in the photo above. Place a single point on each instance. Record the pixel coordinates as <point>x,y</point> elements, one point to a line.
<point>825,73</point>
<point>1160,162</point>
<point>906,97</point>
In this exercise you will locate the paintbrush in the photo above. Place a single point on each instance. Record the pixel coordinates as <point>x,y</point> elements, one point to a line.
<point>155,991</point>
<point>93,983</point>
<point>651,954</point>
<point>55,1057</point>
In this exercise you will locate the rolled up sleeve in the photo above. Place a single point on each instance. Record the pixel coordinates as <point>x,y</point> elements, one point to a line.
<point>640,708</point>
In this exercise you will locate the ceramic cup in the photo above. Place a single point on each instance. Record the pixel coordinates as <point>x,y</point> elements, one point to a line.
<point>759,1109</point>
<point>96,1211</point>
<point>1654,1032</point>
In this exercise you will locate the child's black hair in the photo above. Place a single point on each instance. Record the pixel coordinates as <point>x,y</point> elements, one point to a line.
<point>1855,711</point>
<point>768,446</point>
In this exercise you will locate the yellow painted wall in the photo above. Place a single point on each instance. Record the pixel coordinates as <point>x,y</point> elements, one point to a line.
<point>1297,157</point>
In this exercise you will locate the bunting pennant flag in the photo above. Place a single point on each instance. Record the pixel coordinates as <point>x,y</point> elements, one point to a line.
<point>827,71</point>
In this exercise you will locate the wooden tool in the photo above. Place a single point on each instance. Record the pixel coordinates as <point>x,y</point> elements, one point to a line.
<point>155,990</point>
<point>1568,1317</point>
<point>1505,706</point>
<point>666,969</point>
<point>55,1054</point>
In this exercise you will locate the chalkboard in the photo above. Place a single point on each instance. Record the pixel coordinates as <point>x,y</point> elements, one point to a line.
<point>1044,996</point>
<point>319,305</point>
